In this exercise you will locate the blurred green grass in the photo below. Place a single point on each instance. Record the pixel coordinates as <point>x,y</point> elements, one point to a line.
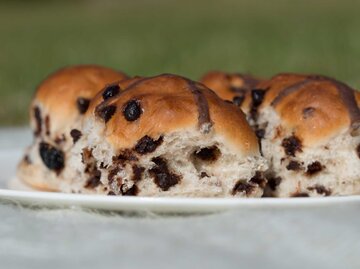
<point>184,37</point>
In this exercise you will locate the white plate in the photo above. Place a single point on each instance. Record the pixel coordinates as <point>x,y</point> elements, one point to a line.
<point>13,190</point>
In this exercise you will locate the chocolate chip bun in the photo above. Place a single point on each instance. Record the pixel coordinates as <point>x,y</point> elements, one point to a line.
<point>165,136</point>
<point>233,87</point>
<point>59,103</point>
<point>310,136</point>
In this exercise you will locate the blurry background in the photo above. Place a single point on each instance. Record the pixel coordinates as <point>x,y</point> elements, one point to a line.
<point>185,37</point>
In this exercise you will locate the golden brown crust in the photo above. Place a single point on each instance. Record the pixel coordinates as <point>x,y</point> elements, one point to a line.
<point>171,103</point>
<point>59,92</point>
<point>231,85</point>
<point>314,107</point>
<point>32,176</point>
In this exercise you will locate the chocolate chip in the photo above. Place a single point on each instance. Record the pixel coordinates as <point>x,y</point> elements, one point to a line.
<point>204,174</point>
<point>358,150</point>
<point>161,174</point>
<point>130,192</point>
<point>320,190</point>
<point>242,186</point>
<point>60,139</point>
<point>258,179</point>
<point>111,193</point>
<point>238,100</point>
<point>132,110</point>
<point>47,125</point>
<point>294,166</point>
<point>82,104</point>
<point>38,120</point>
<point>112,173</point>
<point>111,91</point>
<point>94,180</point>
<point>257,96</point>
<point>274,182</point>
<point>52,157</point>
<point>75,134</point>
<point>260,133</point>
<point>314,168</point>
<point>291,145</point>
<point>308,112</point>
<point>27,159</point>
<point>209,154</point>
<point>107,112</point>
<point>137,173</point>
<point>300,194</point>
<point>147,145</point>
<point>124,156</point>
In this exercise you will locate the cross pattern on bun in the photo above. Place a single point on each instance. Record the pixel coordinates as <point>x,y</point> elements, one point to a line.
<point>310,136</point>
<point>165,136</point>
<point>60,102</point>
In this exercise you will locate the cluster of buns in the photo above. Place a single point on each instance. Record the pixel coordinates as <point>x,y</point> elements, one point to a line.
<point>97,130</point>
<point>308,129</point>
<point>155,136</point>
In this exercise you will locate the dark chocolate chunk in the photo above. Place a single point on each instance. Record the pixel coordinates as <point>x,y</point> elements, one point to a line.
<point>47,125</point>
<point>107,112</point>
<point>291,145</point>
<point>75,134</point>
<point>257,96</point>
<point>52,157</point>
<point>258,179</point>
<point>132,110</point>
<point>133,191</point>
<point>38,120</point>
<point>358,150</point>
<point>314,168</point>
<point>320,190</point>
<point>308,112</point>
<point>209,154</point>
<point>82,104</point>
<point>294,166</point>
<point>112,173</point>
<point>111,193</point>
<point>260,133</point>
<point>242,186</point>
<point>94,179</point>
<point>110,91</point>
<point>273,182</point>
<point>147,145</point>
<point>124,156</point>
<point>238,100</point>
<point>204,174</point>
<point>137,173</point>
<point>161,174</point>
<point>300,194</point>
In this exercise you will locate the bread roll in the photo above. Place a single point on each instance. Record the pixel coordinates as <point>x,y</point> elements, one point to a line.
<point>165,136</point>
<point>60,102</point>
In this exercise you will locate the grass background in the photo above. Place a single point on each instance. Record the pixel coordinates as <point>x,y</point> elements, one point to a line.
<point>185,37</point>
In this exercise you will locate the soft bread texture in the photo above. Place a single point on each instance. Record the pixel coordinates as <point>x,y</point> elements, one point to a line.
<point>166,136</point>
<point>59,103</point>
<point>310,136</point>
<point>232,87</point>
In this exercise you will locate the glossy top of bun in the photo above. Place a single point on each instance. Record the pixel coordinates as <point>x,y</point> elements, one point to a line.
<point>314,107</point>
<point>66,93</point>
<point>233,87</point>
<point>168,103</point>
